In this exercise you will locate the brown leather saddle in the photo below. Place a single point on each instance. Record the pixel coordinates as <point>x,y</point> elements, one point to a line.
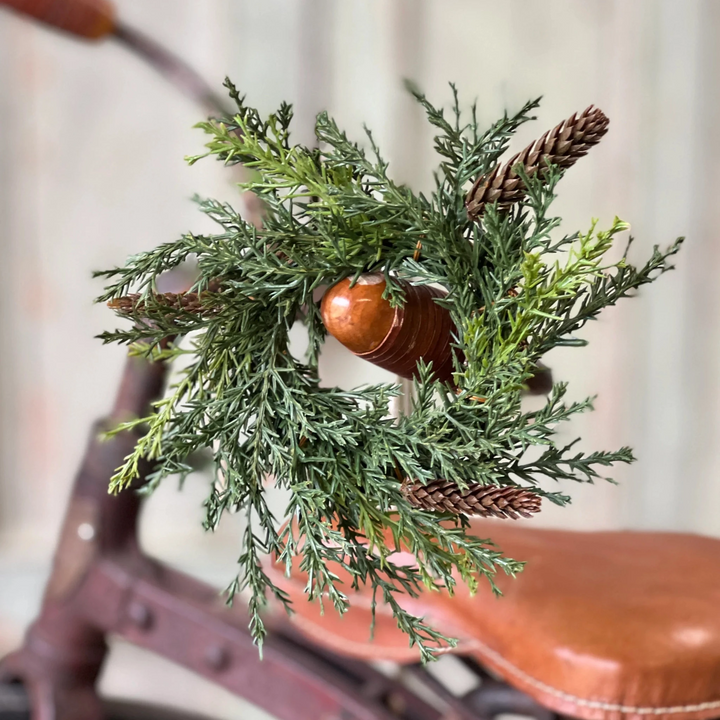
<point>600,625</point>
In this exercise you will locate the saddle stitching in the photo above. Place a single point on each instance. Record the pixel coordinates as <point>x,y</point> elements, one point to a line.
<point>497,659</point>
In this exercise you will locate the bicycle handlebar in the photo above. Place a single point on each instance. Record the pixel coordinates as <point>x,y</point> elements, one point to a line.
<point>96,20</point>
<point>89,19</point>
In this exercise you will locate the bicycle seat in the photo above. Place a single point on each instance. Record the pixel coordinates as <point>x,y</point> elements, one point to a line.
<point>599,625</point>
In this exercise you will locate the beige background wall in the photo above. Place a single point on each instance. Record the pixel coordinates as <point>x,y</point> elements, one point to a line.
<point>91,169</point>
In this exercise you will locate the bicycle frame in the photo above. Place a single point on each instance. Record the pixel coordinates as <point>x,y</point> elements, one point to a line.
<point>101,584</point>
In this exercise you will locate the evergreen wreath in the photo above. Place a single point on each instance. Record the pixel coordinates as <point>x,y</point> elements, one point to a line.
<point>361,483</point>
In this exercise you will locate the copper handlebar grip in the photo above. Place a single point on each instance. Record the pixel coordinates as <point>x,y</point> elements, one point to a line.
<point>96,19</point>
<point>90,19</point>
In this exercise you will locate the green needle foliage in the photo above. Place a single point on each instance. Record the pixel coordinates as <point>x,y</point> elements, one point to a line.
<point>515,291</point>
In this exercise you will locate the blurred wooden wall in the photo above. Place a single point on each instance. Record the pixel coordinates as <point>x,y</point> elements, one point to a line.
<point>91,169</point>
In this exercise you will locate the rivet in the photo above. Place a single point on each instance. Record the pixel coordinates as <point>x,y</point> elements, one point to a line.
<point>217,657</point>
<point>86,531</point>
<point>396,703</point>
<point>140,614</point>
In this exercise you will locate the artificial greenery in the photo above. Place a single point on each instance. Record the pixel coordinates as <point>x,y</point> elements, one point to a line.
<point>516,289</point>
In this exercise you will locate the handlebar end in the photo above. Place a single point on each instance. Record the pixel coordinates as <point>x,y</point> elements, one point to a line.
<point>89,19</point>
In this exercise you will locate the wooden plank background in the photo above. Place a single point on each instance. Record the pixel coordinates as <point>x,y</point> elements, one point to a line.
<point>91,169</point>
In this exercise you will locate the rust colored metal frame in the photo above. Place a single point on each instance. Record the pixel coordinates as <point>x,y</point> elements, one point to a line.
<point>102,584</point>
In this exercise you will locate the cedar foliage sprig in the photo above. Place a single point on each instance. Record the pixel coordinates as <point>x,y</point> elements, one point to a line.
<point>515,290</point>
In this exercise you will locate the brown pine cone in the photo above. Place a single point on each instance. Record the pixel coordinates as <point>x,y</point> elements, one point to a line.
<point>175,302</point>
<point>486,500</point>
<point>561,146</point>
<point>189,302</point>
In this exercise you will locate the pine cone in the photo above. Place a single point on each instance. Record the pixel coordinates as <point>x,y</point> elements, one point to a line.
<point>177,302</point>
<point>561,146</point>
<point>189,302</point>
<point>486,500</point>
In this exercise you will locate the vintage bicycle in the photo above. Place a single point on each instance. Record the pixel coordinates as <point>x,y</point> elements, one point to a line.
<point>601,625</point>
